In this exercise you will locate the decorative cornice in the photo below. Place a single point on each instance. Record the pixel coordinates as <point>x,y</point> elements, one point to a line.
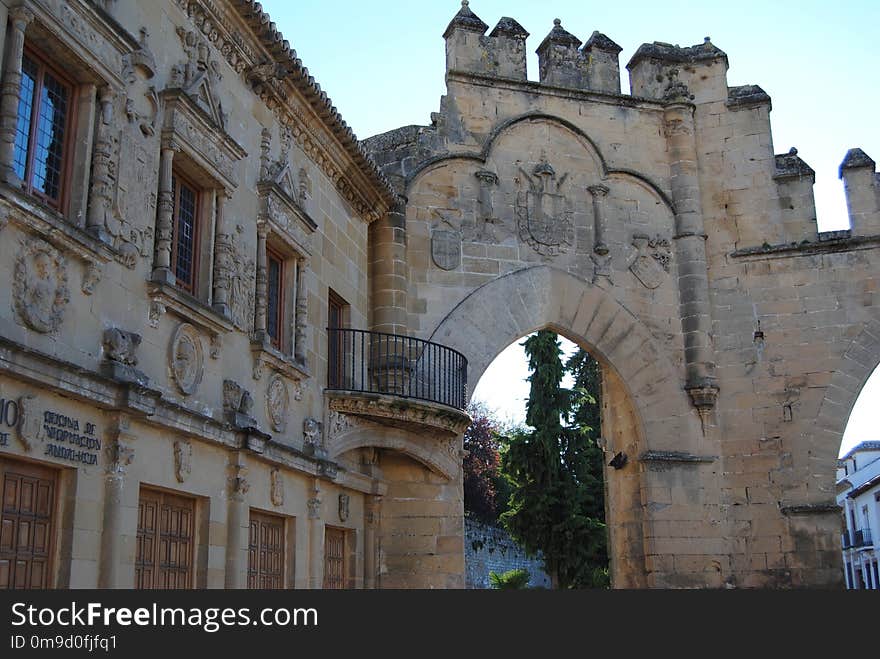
<point>402,412</point>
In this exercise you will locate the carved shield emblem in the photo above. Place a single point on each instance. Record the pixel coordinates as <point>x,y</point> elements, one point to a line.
<point>446,249</point>
<point>40,286</point>
<point>544,213</point>
<point>651,261</point>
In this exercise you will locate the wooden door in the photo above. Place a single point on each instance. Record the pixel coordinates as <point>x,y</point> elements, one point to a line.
<point>26,525</point>
<point>335,563</point>
<point>266,551</point>
<point>165,538</point>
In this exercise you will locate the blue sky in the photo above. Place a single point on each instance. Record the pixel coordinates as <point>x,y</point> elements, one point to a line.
<point>382,63</point>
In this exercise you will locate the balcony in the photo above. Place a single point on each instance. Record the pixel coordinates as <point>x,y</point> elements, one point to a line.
<point>401,366</point>
<point>415,390</point>
<point>856,539</point>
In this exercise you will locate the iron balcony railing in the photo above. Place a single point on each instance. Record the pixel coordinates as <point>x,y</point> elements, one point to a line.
<point>376,362</point>
<point>856,539</point>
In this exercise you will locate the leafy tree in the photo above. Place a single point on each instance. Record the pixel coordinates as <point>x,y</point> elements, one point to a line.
<point>510,580</point>
<point>556,506</point>
<point>481,464</point>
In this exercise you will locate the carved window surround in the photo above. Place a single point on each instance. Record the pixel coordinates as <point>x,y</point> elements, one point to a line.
<point>284,223</point>
<point>166,297</point>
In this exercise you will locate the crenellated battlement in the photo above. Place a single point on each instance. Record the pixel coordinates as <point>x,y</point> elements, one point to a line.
<point>861,184</point>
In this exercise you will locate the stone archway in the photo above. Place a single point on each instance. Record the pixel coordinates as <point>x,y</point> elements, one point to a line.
<point>646,413</point>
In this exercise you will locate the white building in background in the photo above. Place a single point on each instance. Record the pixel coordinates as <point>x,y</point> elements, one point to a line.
<point>858,494</point>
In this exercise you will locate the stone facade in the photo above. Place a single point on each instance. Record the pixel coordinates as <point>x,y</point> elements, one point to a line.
<point>157,393</point>
<point>659,230</point>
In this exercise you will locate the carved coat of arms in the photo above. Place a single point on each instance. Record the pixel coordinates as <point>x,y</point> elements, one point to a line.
<point>650,261</point>
<point>544,214</point>
<point>446,249</point>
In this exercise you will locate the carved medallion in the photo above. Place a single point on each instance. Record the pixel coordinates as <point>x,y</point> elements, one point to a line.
<point>182,460</point>
<point>544,214</point>
<point>187,360</point>
<point>277,403</point>
<point>276,487</point>
<point>446,249</point>
<point>651,260</point>
<point>344,501</point>
<point>40,286</point>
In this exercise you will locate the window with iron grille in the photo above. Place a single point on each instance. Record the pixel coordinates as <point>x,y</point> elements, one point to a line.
<point>43,128</point>
<point>275,294</point>
<point>185,246</point>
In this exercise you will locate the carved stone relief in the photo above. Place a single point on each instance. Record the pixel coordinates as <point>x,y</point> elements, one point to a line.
<point>312,429</point>
<point>651,260</point>
<point>91,276</point>
<point>544,214</point>
<point>30,422</point>
<point>182,460</point>
<point>120,346</point>
<point>344,507</point>
<point>242,282</point>
<point>339,424</point>
<point>199,76</point>
<point>236,398</point>
<point>40,290</point>
<point>276,487</point>
<point>446,248</point>
<point>277,403</point>
<point>186,358</point>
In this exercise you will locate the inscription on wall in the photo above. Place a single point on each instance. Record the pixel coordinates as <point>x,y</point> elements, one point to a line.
<point>62,436</point>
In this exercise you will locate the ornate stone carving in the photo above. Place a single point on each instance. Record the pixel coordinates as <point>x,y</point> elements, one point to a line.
<point>156,311</point>
<point>186,358</point>
<point>650,262</point>
<point>344,501</point>
<point>314,505</point>
<point>312,431</point>
<point>446,248</point>
<point>276,487</point>
<point>414,414</point>
<point>182,460</point>
<point>239,485</point>
<point>29,422</point>
<point>120,346</point>
<point>91,276</point>
<point>236,398</point>
<point>216,345</point>
<point>119,453</point>
<point>486,218</point>
<point>199,76</point>
<point>338,424</point>
<point>544,214</point>
<point>297,390</point>
<point>241,275</point>
<point>305,185</point>
<point>40,286</point>
<point>277,403</point>
<point>142,102</point>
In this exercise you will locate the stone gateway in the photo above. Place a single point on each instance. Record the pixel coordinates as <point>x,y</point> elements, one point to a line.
<point>232,324</point>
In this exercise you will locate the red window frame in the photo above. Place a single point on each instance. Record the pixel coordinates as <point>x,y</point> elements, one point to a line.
<point>44,66</point>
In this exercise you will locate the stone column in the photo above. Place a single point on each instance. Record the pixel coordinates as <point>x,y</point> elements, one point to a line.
<point>372,506</point>
<point>223,255</point>
<point>19,19</point>
<point>100,195</point>
<point>387,244</point>
<point>690,237</point>
<point>236,519</point>
<point>316,541</point>
<point>165,219</point>
<point>300,313</point>
<point>601,254</point>
<point>261,303</point>
<point>119,455</point>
